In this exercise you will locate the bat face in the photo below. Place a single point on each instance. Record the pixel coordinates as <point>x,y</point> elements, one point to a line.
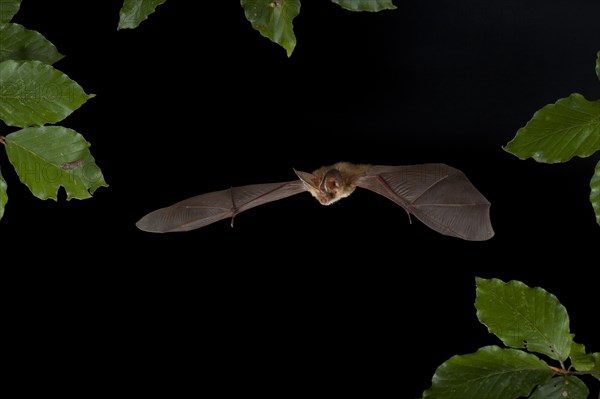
<point>330,184</point>
<point>327,189</point>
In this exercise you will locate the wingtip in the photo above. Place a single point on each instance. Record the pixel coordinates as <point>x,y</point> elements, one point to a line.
<point>149,225</point>
<point>143,225</point>
<point>488,234</point>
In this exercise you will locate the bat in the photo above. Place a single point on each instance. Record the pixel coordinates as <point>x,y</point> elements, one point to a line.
<point>439,195</point>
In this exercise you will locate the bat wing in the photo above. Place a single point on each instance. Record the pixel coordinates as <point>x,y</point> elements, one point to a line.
<point>205,209</point>
<point>440,196</point>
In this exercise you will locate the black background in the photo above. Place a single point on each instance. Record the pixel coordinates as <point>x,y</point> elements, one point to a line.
<point>298,297</point>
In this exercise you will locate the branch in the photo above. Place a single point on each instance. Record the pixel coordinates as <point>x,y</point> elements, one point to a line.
<point>572,372</point>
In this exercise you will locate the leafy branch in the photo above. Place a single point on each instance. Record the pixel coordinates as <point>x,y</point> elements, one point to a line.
<point>34,94</point>
<point>522,318</point>
<point>561,131</point>
<point>272,18</point>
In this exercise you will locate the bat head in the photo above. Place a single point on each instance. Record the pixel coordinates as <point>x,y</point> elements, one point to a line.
<point>326,186</point>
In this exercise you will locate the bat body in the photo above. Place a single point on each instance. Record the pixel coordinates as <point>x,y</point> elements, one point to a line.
<point>438,195</point>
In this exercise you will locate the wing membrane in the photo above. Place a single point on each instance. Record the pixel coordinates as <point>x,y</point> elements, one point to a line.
<point>438,195</point>
<point>204,209</point>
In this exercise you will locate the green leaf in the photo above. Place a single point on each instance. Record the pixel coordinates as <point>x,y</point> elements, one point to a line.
<point>366,5</point>
<point>569,387</point>
<point>273,19</point>
<point>596,368</point>
<point>48,157</point>
<point>134,12</point>
<point>578,355</point>
<point>598,64</point>
<point>3,194</point>
<point>489,373</point>
<point>8,9</point>
<point>583,361</point>
<point>595,192</point>
<point>524,317</point>
<point>18,43</point>
<point>34,93</point>
<point>560,131</point>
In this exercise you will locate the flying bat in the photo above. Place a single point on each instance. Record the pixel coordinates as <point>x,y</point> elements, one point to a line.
<point>438,195</point>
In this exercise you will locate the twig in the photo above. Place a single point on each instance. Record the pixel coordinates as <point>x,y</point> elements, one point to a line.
<point>569,372</point>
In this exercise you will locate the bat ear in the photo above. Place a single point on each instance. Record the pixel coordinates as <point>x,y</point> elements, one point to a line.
<point>307,178</point>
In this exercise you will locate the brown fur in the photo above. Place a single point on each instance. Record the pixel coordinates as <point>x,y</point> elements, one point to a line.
<point>350,173</point>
